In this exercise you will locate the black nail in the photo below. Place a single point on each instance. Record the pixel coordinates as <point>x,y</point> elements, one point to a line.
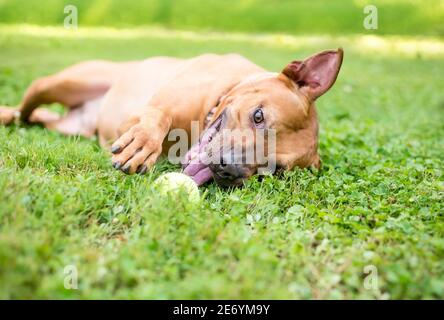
<point>115,149</point>
<point>126,168</point>
<point>117,165</point>
<point>142,169</point>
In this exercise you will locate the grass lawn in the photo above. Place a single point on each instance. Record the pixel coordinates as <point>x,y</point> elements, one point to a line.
<point>295,17</point>
<point>378,200</point>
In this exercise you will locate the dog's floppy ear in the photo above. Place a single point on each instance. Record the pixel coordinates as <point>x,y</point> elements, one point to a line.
<point>316,74</point>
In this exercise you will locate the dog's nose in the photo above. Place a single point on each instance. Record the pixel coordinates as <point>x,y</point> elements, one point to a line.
<point>227,171</point>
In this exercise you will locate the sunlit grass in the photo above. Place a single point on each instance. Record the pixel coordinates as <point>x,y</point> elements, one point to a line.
<point>407,46</point>
<point>337,17</point>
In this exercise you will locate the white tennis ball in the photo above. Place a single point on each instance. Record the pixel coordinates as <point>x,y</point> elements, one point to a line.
<point>174,183</point>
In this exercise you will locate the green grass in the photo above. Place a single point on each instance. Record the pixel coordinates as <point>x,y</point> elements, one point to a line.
<point>289,16</point>
<point>377,201</point>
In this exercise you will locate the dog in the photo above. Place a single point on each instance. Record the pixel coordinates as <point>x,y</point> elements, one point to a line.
<point>132,107</point>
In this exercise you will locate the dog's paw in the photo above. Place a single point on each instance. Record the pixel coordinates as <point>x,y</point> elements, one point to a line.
<point>7,115</point>
<point>136,150</point>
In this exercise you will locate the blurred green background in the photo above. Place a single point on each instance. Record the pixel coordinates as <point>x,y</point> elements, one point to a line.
<point>287,16</point>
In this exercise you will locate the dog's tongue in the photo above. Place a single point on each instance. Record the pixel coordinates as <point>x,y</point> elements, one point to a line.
<point>202,173</point>
<point>194,163</point>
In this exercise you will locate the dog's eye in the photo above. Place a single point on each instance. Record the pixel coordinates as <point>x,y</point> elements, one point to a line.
<point>258,116</point>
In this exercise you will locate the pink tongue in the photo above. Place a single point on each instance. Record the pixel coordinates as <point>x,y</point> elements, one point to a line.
<point>193,168</point>
<point>194,162</point>
<point>202,176</point>
<point>198,171</point>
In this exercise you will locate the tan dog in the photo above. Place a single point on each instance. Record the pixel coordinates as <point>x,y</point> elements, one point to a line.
<point>136,104</point>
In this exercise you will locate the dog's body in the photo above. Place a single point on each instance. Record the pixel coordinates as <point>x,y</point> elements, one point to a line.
<point>135,104</point>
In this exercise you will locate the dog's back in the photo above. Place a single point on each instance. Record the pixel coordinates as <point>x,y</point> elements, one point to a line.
<point>191,87</point>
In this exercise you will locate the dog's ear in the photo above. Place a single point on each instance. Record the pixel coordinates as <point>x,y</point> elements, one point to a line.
<point>316,74</point>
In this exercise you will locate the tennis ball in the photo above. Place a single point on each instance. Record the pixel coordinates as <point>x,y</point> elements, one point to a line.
<point>174,182</point>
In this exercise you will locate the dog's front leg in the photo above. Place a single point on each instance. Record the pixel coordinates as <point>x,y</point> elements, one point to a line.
<point>138,148</point>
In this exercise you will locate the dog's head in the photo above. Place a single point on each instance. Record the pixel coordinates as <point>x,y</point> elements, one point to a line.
<point>268,121</point>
